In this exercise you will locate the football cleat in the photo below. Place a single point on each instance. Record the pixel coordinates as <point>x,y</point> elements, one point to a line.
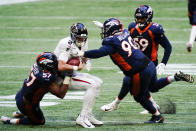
<point>189,47</point>
<point>93,120</point>
<point>5,120</point>
<point>110,107</point>
<point>155,119</point>
<point>84,122</point>
<point>18,114</point>
<point>180,76</point>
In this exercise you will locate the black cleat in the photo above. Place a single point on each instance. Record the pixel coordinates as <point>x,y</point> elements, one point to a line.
<point>189,49</point>
<point>155,119</point>
<point>180,76</point>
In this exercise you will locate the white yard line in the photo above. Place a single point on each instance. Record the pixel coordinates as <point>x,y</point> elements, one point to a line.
<point>86,18</point>
<point>54,40</point>
<point>61,28</point>
<point>121,122</point>
<point>8,2</point>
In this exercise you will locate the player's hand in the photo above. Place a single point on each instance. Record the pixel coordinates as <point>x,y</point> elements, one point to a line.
<point>76,53</point>
<point>98,24</point>
<point>81,66</point>
<point>160,68</point>
<point>88,64</point>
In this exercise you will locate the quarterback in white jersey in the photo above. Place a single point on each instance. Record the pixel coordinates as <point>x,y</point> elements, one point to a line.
<point>78,41</point>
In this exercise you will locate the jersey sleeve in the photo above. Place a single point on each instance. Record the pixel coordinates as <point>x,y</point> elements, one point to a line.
<point>46,78</point>
<point>158,29</point>
<point>63,50</point>
<point>106,49</point>
<point>163,41</point>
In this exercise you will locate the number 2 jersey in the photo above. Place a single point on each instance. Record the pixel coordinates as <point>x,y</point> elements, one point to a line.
<point>148,40</point>
<point>123,53</point>
<point>36,85</point>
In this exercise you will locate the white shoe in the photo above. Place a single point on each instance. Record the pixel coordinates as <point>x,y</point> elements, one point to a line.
<point>5,120</point>
<point>145,112</point>
<point>93,120</point>
<point>83,121</point>
<point>110,107</point>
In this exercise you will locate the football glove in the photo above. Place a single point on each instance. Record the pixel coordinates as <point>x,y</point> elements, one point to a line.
<point>160,68</point>
<point>98,24</point>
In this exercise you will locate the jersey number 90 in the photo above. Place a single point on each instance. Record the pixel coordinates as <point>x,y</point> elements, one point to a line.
<point>126,46</point>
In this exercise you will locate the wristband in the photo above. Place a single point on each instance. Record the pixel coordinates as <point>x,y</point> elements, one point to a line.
<point>66,80</point>
<point>75,68</point>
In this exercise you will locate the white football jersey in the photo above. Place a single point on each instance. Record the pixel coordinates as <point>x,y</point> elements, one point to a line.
<point>64,47</point>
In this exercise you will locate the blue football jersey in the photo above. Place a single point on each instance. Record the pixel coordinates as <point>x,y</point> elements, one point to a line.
<point>123,53</point>
<point>148,39</point>
<point>36,85</point>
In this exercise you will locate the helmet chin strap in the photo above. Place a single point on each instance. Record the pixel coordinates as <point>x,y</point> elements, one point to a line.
<point>141,25</point>
<point>80,44</point>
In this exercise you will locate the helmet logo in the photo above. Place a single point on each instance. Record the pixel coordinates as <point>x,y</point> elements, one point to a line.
<point>45,61</point>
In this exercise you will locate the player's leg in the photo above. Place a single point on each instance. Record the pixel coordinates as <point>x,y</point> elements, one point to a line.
<point>33,114</point>
<point>139,89</point>
<point>153,102</point>
<point>92,85</point>
<point>123,92</point>
<point>192,20</point>
<point>163,82</point>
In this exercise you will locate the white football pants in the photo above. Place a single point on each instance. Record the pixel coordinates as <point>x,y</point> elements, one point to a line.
<point>92,84</point>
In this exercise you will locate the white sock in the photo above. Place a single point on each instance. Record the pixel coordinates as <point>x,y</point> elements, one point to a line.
<point>171,78</point>
<point>192,35</point>
<point>156,113</point>
<point>14,121</point>
<point>153,102</point>
<point>117,100</point>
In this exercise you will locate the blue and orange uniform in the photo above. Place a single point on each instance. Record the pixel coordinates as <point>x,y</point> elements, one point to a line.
<point>29,96</point>
<point>148,40</point>
<point>192,12</point>
<point>139,70</point>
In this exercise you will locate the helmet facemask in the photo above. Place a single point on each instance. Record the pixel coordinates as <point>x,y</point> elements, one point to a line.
<point>80,40</point>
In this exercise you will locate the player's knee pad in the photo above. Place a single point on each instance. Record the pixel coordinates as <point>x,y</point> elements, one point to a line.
<point>96,87</point>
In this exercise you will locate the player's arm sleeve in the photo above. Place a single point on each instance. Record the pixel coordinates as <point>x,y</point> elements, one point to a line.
<point>63,52</point>
<point>97,53</point>
<point>164,42</point>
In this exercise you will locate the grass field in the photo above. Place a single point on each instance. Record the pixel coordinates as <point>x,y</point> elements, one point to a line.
<point>27,29</point>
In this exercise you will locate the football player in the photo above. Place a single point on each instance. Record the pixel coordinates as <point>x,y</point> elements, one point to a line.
<point>192,21</point>
<point>140,72</point>
<point>42,79</point>
<point>147,37</point>
<point>92,84</point>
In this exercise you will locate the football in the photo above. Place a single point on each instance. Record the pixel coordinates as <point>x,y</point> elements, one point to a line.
<point>75,61</point>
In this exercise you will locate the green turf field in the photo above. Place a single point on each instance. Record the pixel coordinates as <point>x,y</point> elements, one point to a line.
<point>27,29</point>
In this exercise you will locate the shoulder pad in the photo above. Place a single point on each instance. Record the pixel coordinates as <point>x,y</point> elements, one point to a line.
<point>131,25</point>
<point>157,28</point>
